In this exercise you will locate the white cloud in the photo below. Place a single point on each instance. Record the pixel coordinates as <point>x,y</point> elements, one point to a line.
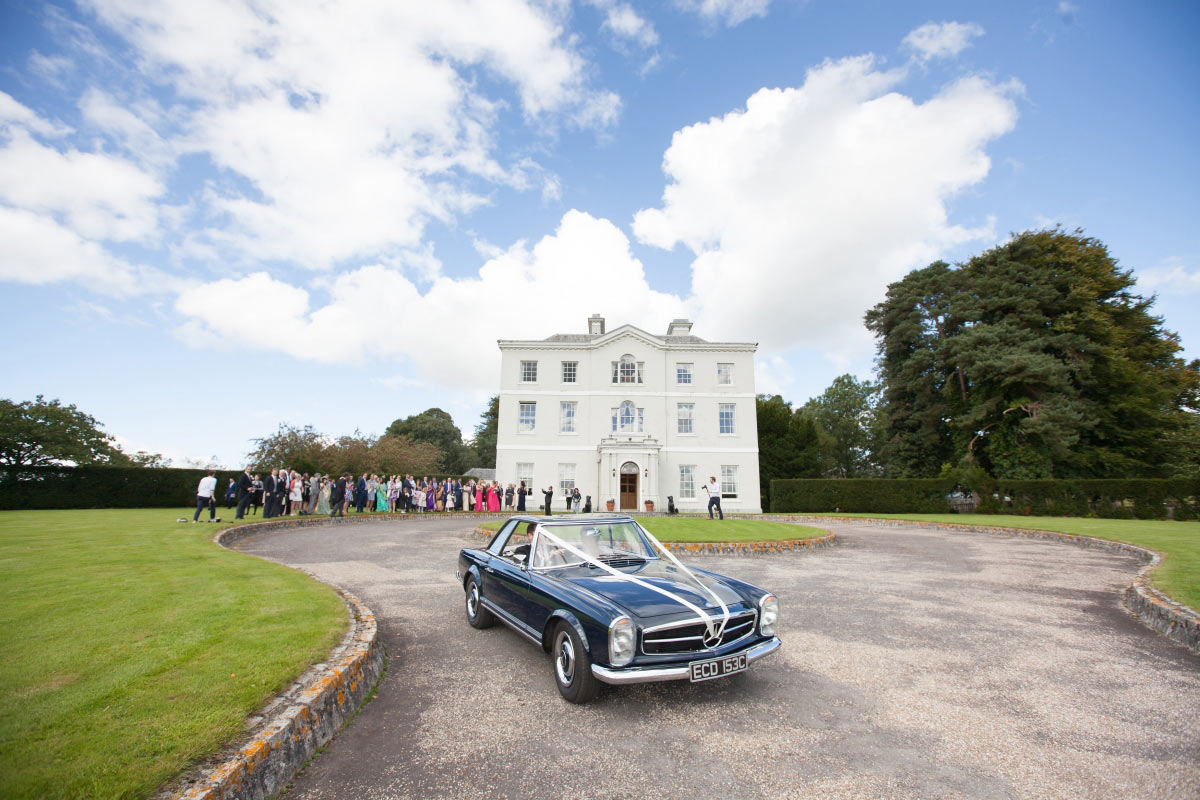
<point>38,250</point>
<point>801,208</point>
<point>1173,278</point>
<point>623,22</point>
<point>347,128</point>
<point>730,12</point>
<point>585,266</point>
<point>13,114</point>
<point>101,196</point>
<point>942,39</point>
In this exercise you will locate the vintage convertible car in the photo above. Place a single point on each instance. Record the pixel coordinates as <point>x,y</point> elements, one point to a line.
<point>611,606</point>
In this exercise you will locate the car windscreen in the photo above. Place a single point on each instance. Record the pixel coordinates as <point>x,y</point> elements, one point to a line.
<point>608,542</point>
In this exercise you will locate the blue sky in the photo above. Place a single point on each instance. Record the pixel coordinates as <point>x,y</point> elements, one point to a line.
<point>220,216</point>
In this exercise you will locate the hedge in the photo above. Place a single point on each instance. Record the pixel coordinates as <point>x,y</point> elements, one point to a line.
<point>104,487</point>
<point>1121,498</point>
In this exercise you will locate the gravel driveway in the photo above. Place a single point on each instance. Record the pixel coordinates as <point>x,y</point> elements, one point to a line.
<point>916,663</point>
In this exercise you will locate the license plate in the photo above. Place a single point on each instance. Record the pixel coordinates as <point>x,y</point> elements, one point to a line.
<point>717,667</point>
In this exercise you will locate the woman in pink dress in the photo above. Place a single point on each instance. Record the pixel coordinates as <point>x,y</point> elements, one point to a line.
<point>493,499</point>
<point>479,506</point>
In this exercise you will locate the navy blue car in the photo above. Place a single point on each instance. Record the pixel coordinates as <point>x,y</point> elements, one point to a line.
<point>612,608</point>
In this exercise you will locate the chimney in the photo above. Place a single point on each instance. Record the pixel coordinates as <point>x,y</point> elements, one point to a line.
<point>679,327</point>
<point>595,324</point>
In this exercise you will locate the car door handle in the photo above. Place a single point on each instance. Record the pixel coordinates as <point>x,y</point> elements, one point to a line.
<point>489,569</point>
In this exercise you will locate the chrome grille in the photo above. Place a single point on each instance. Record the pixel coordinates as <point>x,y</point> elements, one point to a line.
<point>688,637</point>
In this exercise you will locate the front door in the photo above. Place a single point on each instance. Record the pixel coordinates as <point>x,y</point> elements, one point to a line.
<point>629,486</point>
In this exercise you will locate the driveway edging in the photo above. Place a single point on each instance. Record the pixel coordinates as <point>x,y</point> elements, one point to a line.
<point>306,716</point>
<point>1151,607</point>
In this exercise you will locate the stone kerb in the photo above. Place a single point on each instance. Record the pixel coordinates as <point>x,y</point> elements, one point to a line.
<point>290,729</point>
<point>1154,609</point>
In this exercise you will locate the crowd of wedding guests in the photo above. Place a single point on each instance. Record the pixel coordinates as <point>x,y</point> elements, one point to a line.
<point>287,492</point>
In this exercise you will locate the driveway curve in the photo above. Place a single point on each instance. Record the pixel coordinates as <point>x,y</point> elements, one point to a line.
<point>916,663</point>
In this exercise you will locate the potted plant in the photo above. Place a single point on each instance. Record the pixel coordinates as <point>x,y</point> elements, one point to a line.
<point>610,504</point>
<point>649,505</point>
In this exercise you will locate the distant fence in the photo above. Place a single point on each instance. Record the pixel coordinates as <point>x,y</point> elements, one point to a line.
<point>104,487</point>
<point>1117,498</point>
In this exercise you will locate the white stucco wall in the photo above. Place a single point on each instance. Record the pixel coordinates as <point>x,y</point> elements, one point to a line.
<point>659,450</point>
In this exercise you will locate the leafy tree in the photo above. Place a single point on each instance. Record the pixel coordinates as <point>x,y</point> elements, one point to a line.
<point>787,443</point>
<point>1034,359</point>
<point>144,458</point>
<point>484,445</point>
<point>45,433</point>
<point>436,427</point>
<point>843,416</point>
<point>296,448</point>
<point>395,455</point>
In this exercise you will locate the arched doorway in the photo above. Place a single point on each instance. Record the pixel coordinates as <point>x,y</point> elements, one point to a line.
<point>629,486</point>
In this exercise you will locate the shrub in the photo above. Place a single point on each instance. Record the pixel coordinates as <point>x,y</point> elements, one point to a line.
<point>1119,498</point>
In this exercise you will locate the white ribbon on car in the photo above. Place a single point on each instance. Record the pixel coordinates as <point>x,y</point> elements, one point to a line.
<point>713,632</point>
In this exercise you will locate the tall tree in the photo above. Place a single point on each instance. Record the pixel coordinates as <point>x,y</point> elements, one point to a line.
<point>436,427</point>
<point>484,445</point>
<point>290,446</point>
<point>787,443</point>
<point>44,433</point>
<point>843,416</point>
<point>1033,359</point>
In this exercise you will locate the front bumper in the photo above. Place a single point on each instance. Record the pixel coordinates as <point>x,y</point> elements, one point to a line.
<point>675,673</point>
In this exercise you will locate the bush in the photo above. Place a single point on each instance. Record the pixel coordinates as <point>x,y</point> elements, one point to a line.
<point>862,495</point>
<point>1118,498</point>
<point>104,487</point>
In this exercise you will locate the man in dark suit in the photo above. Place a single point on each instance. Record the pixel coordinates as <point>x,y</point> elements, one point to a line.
<point>337,497</point>
<point>270,487</point>
<point>360,494</point>
<point>245,493</point>
<point>549,493</point>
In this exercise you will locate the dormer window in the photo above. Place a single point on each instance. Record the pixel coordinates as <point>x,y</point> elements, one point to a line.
<point>627,370</point>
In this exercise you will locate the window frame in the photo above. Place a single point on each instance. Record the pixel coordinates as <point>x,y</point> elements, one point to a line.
<point>732,419</point>
<point>729,373</point>
<point>690,419</point>
<point>724,493</point>
<point>574,372</point>
<point>524,365</point>
<point>564,418</point>
<point>690,371</point>
<point>691,476</point>
<point>521,406</point>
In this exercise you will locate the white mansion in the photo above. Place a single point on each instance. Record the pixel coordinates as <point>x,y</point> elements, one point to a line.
<point>630,417</point>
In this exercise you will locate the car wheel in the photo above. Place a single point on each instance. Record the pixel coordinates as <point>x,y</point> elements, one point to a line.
<point>477,615</point>
<point>572,667</point>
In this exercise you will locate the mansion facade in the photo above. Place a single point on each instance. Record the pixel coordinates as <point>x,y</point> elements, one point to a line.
<point>631,417</point>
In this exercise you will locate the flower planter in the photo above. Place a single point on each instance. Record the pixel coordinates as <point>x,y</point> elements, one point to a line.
<point>649,505</point>
<point>610,504</point>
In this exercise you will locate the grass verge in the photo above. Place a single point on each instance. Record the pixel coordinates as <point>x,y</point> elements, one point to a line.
<point>1178,575</point>
<point>701,529</point>
<point>133,647</point>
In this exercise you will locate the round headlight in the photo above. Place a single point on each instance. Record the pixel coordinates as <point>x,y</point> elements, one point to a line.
<point>621,638</point>
<point>768,615</point>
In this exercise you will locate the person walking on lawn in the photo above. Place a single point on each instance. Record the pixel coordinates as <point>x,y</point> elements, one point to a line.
<point>714,497</point>
<point>245,493</point>
<point>204,496</point>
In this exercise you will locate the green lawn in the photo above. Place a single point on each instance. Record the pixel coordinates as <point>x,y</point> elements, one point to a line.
<point>133,646</point>
<point>701,529</point>
<point>1178,575</point>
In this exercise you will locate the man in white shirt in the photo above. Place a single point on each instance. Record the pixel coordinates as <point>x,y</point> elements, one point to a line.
<point>714,497</point>
<point>204,497</point>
